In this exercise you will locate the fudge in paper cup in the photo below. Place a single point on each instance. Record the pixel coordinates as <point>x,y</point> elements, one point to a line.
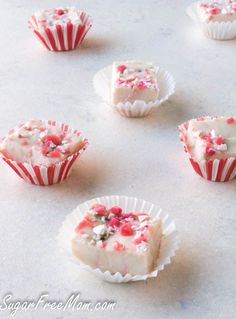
<point>42,152</point>
<point>119,238</point>
<point>211,145</point>
<point>134,88</point>
<point>216,19</point>
<point>60,29</point>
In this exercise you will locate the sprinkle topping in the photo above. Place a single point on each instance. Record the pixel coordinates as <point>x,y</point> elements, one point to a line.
<point>101,224</point>
<point>213,9</point>
<point>137,76</point>
<point>50,18</point>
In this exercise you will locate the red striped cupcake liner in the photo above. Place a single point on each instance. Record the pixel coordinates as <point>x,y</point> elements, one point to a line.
<point>216,170</point>
<point>62,38</point>
<point>48,175</point>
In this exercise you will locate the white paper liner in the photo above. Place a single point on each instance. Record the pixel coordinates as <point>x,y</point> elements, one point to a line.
<point>213,30</point>
<point>102,86</point>
<point>169,242</point>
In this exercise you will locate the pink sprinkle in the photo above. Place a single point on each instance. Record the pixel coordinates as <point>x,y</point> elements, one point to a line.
<point>141,238</point>
<point>126,229</point>
<point>114,222</point>
<point>230,120</point>
<point>99,209</point>
<point>128,215</point>
<point>141,85</point>
<point>85,223</point>
<point>104,244</point>
<point>121,68</point>
<point>59,12</point>
<point>116,210</point>
<point>118,246</point>
<point>25,143</point>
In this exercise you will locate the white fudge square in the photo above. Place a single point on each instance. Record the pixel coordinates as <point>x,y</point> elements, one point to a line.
<point>110,240</point>
<point>132,81</point>
<point>217,11</point>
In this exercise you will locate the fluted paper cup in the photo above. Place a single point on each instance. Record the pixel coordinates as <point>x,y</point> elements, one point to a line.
<point>215,170</point>
<point>47,175</point>
<point>102,86</point>
<point>62,37</point>
<point>214,30</point>
<point>169,241</point>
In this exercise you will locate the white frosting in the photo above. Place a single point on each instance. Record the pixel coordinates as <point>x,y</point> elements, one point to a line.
<point>52,17</point>
<point>211,137</point>
<point>221,10</point>
<point>36,142</point>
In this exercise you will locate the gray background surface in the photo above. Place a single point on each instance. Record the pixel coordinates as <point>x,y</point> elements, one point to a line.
<point>136,157</point>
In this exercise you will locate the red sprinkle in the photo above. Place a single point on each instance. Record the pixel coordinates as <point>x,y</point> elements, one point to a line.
<point>52,138</point>
<point>121,68</point>
<point>116,210</point>
<point>210,151</point>
<point>126,229</point>
<point>219,140</point>
<point>214,11</point>
<point>119,246</point>
<point>230,120</point>
<point>55,153</point>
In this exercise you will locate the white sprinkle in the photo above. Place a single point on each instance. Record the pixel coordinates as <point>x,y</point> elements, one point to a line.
<point>142,218</point>
<point>85,235</point>
<point>222,147</point>
<point>100,229</point>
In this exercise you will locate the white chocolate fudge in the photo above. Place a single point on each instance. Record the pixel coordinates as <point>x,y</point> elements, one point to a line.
<point>38,143</point>
<point>111,240</point>
<point>134,80</point>
<point>217,11</point>
<point>210,137</point>
<point>57,16</point>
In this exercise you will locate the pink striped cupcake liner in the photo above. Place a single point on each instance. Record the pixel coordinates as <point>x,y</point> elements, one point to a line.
<point>48,175</point>
<point>216,170</point>
<point>62,38</point>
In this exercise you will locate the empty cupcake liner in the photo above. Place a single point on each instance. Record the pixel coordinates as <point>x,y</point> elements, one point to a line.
<point>102,86</point>
<point>216,170</point>
<point>213,30</point>
<point>62,37</point>
<point>47,175</point>
<point>169,242</point>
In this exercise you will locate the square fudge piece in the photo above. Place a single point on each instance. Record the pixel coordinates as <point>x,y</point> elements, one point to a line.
<point>134,80</point>
<point>211,138</point>
<point>111,240</point>
<point>217,11</point>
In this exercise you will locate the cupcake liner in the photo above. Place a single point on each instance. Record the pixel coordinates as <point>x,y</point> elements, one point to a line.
<point>102,86</point>
<point>169,242</point>
<point>213,30</point>
<point>43,175</point>
<point>62,38</point>
<point>215,170</point>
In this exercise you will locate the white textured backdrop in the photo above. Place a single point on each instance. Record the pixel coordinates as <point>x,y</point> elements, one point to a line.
<point>135,157</point>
